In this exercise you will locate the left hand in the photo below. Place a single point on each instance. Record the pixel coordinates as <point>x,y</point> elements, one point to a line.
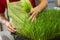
<point>33,13</point>
<point>11,27</point>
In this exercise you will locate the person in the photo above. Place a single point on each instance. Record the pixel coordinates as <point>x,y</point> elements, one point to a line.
<point>34,11</point>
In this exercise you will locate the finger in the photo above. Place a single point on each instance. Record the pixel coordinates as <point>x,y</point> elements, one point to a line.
<point>10,27</point>
<point>35,19</point>
<point>10,30</point>
<point>13,25</point>
<point>31,12</point>
<point>32,16</point>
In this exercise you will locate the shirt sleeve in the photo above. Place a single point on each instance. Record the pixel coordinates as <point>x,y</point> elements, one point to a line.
<point>2,8</point>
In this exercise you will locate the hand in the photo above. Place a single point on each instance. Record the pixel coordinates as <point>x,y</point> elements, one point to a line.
<point>11,27</point>
<point>33,13</point>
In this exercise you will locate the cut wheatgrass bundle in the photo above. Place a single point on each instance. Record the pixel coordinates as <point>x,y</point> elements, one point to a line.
<point>45,27</point>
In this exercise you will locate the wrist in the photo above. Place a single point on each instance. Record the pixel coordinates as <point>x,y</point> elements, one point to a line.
<point>38,9</point>
<point>4,21</point>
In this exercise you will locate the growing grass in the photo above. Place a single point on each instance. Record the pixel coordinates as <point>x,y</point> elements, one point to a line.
<point>46,26</point>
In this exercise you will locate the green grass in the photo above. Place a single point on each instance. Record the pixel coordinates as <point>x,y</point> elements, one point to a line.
<point>46,26</point>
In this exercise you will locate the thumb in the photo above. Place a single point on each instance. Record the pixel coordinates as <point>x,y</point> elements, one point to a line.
<point>31,11</point>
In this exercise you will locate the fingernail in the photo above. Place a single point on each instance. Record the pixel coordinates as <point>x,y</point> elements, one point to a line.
<point>14,28</point>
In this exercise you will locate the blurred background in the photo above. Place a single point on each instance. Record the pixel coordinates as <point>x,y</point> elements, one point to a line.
<point>52,3</point>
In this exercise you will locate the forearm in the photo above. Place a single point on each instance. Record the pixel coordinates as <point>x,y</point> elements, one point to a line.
<point>2,16</point>
<point>43,4</point>
<point>3,20</point>
<point>9,25</point>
